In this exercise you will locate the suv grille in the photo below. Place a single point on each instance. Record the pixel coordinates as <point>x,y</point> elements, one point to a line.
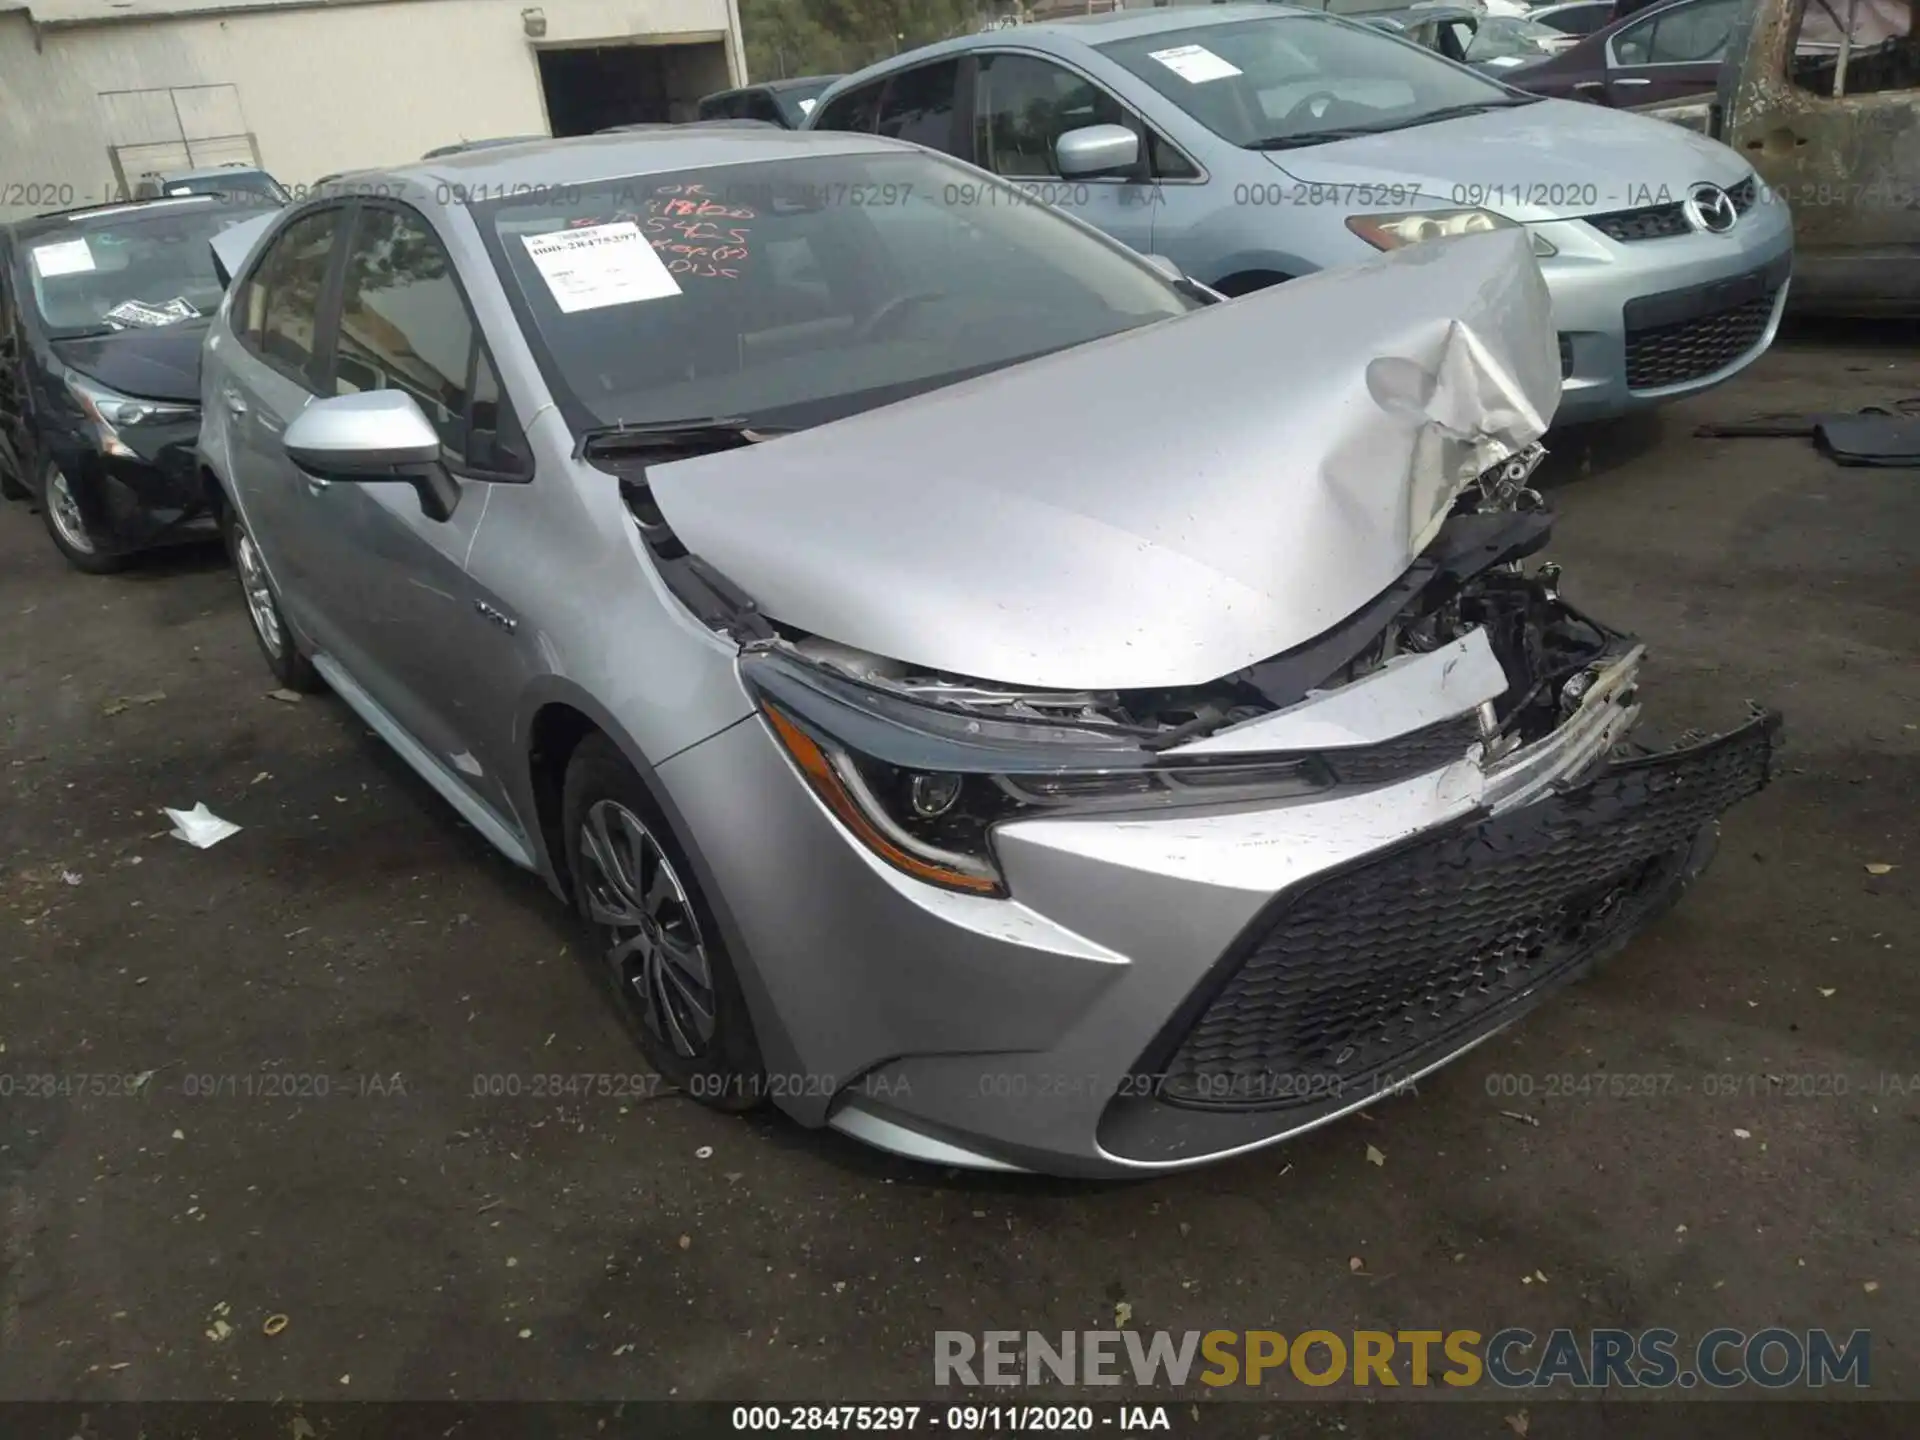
<point>1370,968</point>
<point>1660,355</point>
<point>1654,222</point>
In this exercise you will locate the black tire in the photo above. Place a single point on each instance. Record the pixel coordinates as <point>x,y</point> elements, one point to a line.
<point>661,1003</point>
<point>62,510</point>
<point>264,617</point>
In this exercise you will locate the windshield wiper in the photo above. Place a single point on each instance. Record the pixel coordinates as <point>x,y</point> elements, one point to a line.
<point>1316,137</point>
<point>657,437</point>
<point>1478,107</point>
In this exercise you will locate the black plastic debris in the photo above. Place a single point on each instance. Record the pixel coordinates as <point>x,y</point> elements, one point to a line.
<point>1869,440</point>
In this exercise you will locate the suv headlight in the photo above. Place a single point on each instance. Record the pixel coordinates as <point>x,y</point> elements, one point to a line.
<point>922,786</point>
<point>1390,232</point>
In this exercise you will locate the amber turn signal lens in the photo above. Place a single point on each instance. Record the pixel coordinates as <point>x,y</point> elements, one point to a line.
<point>821,774</point>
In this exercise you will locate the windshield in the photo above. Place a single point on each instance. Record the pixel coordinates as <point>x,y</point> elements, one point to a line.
<point>129,269</point>
<point>1268,82</point>
<point>1505,40</point>
<point>794,291</point>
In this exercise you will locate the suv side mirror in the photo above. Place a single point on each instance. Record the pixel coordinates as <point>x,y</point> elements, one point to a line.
<point>1097,150</point>
<point>378,437</point>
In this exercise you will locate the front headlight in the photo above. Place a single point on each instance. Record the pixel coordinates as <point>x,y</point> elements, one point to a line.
<point>1390,232</point>
<point>923,786</point>
<point>115,411</point>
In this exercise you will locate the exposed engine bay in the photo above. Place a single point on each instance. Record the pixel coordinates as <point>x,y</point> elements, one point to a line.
<point>1469,578</point>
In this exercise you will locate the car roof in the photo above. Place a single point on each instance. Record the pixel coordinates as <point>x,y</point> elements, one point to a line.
<point>1412,14</point>
<point>56,220</point>
<point>1075,32</point>
<point>209,172</point>
<point>588,159</point>
<point>457,147</point>
<point>792,82</point>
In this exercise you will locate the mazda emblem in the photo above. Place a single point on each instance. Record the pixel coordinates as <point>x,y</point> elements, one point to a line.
<point>1711,208</point>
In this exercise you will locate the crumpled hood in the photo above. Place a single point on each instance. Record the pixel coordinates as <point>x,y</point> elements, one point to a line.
<point>1547,161</point>
<point>1159,508</point>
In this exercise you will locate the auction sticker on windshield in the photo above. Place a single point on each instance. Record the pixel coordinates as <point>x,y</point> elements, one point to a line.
<point>599,265</point>
<point>1194,64</point>
<point>63,257</point>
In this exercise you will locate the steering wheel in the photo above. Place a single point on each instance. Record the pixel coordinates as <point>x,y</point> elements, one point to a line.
<point>894,306</point>
<point>1307,104</point>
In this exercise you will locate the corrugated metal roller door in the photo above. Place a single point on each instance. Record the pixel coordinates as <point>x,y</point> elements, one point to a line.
<point>181,127</point>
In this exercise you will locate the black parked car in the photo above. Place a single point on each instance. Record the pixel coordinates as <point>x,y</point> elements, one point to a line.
<point>102,312</point>
<point>778,102</point>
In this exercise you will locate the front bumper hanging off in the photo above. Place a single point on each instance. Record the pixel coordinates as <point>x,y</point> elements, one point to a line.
<point>1359,981</point>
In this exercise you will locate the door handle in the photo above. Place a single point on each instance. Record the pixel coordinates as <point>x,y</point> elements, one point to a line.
<point>315,485</point>
<point>235,405</point>
<point>1632,80</point>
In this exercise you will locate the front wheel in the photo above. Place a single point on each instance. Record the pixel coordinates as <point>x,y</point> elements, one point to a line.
<point>67,523</point>
<point>661,953</point>
<point>283,657</point>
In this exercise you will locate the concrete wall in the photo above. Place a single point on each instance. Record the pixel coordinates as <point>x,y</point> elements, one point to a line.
<point>322,90</point>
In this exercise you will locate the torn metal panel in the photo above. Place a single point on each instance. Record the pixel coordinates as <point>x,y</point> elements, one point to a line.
<point>1405,694</point>
<point>1052,525</point>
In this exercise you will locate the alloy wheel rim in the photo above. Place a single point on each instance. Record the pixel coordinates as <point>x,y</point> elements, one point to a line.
<point>654,947</point>
<point>65,511</point>
<point>253,581</point>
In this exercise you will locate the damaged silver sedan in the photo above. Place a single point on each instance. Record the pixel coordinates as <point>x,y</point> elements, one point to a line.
<point>981,694</point>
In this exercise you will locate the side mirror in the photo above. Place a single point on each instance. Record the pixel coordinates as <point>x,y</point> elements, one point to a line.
<point>379,437</point>
<point>1097,150</point>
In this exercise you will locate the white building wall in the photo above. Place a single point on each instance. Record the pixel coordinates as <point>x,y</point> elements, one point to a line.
<point>343,87</point>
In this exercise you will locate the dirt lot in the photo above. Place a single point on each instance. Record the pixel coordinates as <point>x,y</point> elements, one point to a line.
<point>350,969</point>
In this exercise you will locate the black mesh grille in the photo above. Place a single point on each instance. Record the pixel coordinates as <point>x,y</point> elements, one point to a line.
<point>1742,195</point>
<point>1649,222</point>
<point>1405,756</point>
<point>1685,350</point>
<point>1566,356</point>
<point>1431,943</point>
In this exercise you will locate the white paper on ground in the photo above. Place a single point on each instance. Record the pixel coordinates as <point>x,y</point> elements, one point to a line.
<point>200,827</point>
<point>63,257</point>
<point>1194,64</point>
<point>598,265</point>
